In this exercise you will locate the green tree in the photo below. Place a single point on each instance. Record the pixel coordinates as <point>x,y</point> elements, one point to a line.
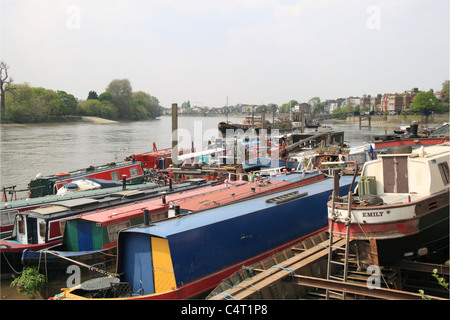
<point>146,106</point>
<point>30,282</point>
<point>121,92</point>
<point>286,107</point>
<point>120,87</point>
<point>445,92</point>
<point>425,103</point>
<point>261,108</point>
<point>26,104</point>
<point>69,104</point>
<point>92,95</point>
<point>105,96</point>
<point>97,108</point>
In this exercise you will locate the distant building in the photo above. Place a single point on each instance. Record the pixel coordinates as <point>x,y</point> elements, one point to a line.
<point>395,103</point>
<point>247,108</point>
<point>364,102</point>
<point>375,102</point>
<point>297,111</point>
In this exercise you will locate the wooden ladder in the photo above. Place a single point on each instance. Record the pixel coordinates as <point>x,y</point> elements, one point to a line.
<point>345,248</point>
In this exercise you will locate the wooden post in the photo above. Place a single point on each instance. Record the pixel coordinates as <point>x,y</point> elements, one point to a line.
<point>175,135</point>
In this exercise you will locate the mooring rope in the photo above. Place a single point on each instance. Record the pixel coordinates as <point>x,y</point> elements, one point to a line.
<point>81,264</point>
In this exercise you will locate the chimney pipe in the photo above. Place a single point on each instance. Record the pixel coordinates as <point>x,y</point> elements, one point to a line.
<point>146,217</point>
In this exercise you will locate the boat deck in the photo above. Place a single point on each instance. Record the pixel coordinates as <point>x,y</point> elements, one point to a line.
<point>396,198</point>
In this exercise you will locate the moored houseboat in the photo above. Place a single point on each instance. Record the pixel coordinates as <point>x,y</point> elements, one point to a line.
<point>43,227</point>
<point>88,238</point>
<point>9,209</point>
<point>41,186</point>
<point>414,139</point>
<point>402,206</point>
<point>185,257</point>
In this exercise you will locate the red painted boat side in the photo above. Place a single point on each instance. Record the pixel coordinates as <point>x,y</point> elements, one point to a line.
<point>106,175</point>
<point>410,142</point>
<point>384,230</point>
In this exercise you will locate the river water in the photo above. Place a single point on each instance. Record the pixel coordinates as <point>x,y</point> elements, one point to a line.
<point>27,150</point>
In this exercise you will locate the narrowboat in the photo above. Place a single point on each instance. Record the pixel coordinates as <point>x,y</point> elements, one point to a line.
<point>43,227</point>
<point>42,186</point>
<point>89,239</point>
<point>185,257</point>
<point>39,228</point>
<point>414,139</point>
<point>249,123</point>
<point>10,208</point>
<point>156,159</point>
<point>401,209</point>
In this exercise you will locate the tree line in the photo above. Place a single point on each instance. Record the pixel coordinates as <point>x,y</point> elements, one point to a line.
<point>22,103</point>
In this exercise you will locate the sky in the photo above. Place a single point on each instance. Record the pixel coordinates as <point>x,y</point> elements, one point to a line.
<point>241,51</point>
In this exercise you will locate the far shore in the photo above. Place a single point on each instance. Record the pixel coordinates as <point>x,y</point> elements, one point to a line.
<point>377,121</point>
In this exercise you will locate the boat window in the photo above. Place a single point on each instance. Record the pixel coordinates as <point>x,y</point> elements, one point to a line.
<point>7,218</point>
<point>113,230</point>
<point>133,171</point>
<point>42,229</point>
<point>115,176</point>
<point>21,225</point>
<point>443,168</point>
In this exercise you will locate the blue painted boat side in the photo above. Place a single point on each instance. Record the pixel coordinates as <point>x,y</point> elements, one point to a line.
<point>206,242</point>
<point>37,255</point>
<point>215,215</point>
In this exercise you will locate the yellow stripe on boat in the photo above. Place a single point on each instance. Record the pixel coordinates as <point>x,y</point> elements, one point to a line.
<point>164,276</point>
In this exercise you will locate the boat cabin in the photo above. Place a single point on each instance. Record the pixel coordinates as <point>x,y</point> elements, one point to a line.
<point>98,231</point>
<point>424,171</point>
<point>46,224</point>
<point>47,185</point>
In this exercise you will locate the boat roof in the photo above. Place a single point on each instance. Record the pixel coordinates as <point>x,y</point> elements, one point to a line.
<point>111,216</point>
<point>150,204</point>
<point>81,194</point>
<point>443,131</point>
<point>426,152</point>
<point>198,199</point>
<point>165,229</point>
<point>66,205</point>
<point>48,210</point>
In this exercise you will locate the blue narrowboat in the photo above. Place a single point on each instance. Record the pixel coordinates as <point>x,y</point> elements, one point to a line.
<point>185,257</point>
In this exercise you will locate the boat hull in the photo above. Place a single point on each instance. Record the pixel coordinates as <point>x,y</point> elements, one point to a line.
<point>421,227</point>
<point>11,253</point>
<point>58,269</point>
<point>413,142</point>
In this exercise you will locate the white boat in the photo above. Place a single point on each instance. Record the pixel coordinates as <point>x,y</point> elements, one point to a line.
<point>401,209</point>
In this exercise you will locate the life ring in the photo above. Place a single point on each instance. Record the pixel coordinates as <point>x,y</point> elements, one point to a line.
<point>62,174</point>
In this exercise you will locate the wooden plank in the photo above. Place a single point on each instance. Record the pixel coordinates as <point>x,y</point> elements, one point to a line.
<point>359,289</point>
<point>274,274</point>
